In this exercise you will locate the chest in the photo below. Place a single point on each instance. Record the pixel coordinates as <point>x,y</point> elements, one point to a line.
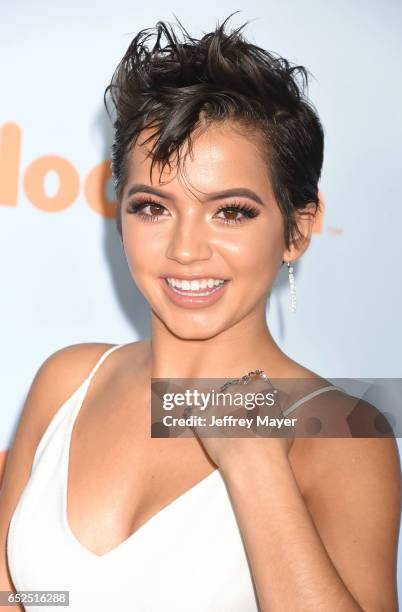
<point>119,478</point>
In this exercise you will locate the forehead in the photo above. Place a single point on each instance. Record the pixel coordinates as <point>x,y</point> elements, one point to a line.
<point>221,156</point>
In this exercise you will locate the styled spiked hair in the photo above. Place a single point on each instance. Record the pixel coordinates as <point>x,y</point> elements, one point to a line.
<point>217,78</point>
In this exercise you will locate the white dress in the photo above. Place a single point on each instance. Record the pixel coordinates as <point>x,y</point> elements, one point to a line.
<point>189,557</point>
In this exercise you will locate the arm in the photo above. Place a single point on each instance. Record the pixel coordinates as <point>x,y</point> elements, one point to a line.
<point>334,550</point>
<point>55,380</point>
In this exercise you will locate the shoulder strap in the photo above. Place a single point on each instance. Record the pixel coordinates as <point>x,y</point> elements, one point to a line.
<point>310,396</point>
<point>102,359</point>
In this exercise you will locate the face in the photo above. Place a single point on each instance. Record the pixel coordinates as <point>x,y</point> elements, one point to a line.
<point>204,259</point>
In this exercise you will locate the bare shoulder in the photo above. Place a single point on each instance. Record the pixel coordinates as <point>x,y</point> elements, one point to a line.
<point>323,408</point>
<point>354,438</point>
<point>59,376</point>
<point>328,423</point>
<point>54,381</point>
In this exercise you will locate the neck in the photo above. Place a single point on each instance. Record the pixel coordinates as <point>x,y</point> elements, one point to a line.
<point>245,346</point>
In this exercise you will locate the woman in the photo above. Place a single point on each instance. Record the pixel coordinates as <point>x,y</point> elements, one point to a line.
<point>216,161</point>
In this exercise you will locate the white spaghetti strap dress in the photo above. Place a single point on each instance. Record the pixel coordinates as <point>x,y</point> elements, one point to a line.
<point>189,557</point>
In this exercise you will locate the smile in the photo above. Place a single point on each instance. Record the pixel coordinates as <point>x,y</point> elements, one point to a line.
<point>202,286</point>
<point>191,293</point>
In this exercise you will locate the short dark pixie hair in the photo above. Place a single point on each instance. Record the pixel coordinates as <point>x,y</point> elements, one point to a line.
<point>216,78</point>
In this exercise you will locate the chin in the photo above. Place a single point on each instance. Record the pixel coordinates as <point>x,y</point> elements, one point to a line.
<point>192,328</point>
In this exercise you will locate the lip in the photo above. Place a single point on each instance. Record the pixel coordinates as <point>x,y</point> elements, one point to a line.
<point>193,301</point>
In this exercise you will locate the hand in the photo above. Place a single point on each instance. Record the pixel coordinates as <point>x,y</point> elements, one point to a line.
<point>256,424</point>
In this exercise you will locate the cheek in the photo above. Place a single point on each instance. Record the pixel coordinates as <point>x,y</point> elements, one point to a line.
<point>256,252</point>
<point>142,246</point>
<point>137,255</point>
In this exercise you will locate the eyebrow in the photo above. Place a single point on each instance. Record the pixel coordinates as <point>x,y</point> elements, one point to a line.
<point>244,192</point>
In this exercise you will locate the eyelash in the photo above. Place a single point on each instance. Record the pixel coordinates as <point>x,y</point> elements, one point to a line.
<point>249,212</point>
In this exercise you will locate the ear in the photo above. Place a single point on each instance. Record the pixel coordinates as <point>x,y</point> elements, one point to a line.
<point>305,221</point>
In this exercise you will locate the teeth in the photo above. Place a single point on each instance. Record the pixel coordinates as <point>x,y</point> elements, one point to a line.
<point>195,285</point>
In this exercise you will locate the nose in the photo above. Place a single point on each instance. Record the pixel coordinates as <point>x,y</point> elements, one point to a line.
<point>189,241</point>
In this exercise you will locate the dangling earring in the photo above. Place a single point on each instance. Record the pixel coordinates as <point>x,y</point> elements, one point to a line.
<point>292,287</point>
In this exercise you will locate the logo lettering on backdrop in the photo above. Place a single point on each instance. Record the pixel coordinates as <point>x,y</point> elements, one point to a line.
<point>95,183</point>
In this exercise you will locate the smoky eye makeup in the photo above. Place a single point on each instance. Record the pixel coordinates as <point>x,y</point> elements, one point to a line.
<point>236,212</point>
<point>247,211</point>
<point>137,207</point>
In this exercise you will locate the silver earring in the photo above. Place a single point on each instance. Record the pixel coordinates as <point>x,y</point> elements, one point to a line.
<point>292,287</point>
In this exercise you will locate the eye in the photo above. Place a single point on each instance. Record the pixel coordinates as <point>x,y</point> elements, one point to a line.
<point>155,210</point>
<point>237,213</point>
